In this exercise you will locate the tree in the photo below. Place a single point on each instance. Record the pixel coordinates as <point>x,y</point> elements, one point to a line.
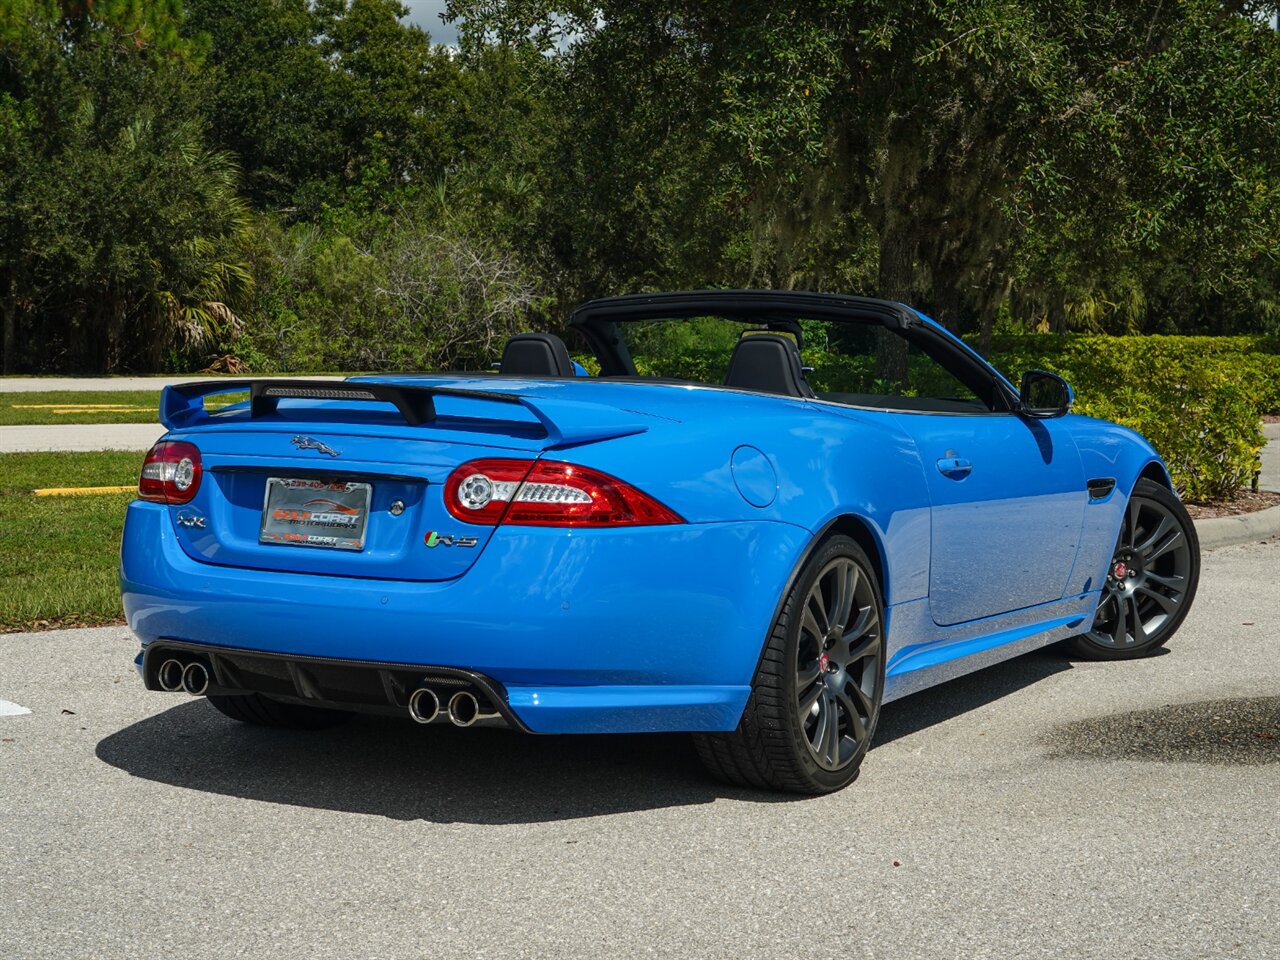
<point>961,132</point>
<point>119,224</point>
<point>415,290</point>
<point>315,98</point>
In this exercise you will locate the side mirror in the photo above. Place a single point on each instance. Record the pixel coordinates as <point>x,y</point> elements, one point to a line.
<point>1045,395</point>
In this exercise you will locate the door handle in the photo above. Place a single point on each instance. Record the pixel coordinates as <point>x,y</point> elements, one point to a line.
<point>957,468</point>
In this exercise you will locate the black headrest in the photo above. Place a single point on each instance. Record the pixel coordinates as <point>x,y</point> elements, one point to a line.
<point>536,355</point>
<point>769,363</point>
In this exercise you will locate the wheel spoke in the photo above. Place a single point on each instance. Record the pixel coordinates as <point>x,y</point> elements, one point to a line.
<point>1165,546</point>
<point>1173,581</point>
<point>812,735</point>
<point>1129,529</point>
<point>1163,527</point>
<point>831,743</point>
<point>846,578</point>
<point>1119,633</point>
<point>808,699</point>
<point>1168,604</point>
<point>819,738</point>
<point>810,625</point>
<point>815,612</point>
<point>805,676</point>
<point>857,729</point>
<point>869,647</point>
<point>1135,618</point>
<point>862,624</point>
<point>864,699</point>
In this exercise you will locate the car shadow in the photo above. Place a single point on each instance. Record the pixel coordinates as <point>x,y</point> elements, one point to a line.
<point>938,704</point>
<point>394,769</point>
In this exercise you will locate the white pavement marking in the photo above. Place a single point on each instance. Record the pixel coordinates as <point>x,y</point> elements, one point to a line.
<point>79,437</point>
<point>44,384</point>
<point>8,709</point>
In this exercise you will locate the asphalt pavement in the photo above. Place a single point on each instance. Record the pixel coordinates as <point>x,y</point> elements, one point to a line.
<point>79,437</point>
<point>27,384</point>
<point>1042,808</point>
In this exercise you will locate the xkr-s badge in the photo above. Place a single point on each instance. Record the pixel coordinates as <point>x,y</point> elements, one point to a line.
<point>434,539</point>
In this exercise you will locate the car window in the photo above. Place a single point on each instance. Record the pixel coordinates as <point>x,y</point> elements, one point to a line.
<point>856,364</point>
<point>845,362</point>
<point>696,350</point>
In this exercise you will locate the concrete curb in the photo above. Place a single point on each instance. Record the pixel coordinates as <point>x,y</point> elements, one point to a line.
<point>1242,528</point>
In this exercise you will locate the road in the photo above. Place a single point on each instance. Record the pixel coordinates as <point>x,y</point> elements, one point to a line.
<point>79,437</point>
<point>1011,814</point>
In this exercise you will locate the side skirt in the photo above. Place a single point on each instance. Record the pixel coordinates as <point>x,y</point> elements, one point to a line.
<point>955,651</point>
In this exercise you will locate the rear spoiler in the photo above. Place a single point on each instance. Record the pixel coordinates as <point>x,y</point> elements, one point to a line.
<point>567,422</point>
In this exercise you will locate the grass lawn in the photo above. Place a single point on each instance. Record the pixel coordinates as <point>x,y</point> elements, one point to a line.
<point>68,406</point>
<point>59,555</point>
<point>89,406</point>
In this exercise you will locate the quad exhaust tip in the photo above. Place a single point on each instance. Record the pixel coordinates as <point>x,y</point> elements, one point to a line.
<point>169,676</point>
<point>195,679</point>
<point>424,705</point>
<point>464,709</point>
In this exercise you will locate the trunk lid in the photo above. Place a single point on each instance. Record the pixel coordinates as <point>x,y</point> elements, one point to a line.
<point>316,455</point>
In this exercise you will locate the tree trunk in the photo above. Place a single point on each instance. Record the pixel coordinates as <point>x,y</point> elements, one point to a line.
<point>1058,314</point>
<point>115,336</point>
<point>11,327</point>
<point>897,281</point>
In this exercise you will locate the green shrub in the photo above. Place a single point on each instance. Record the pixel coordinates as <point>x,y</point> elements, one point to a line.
<point>1198,400</point>
<point>405,293</point>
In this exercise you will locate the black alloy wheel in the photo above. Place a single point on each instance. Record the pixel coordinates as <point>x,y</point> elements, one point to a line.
<point>817,692</point>
<point>838,663</point>
<point>1151,578</point>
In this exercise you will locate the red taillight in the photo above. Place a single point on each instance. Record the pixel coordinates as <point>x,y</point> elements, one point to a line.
<point>548,494</point>
<point>479,491</point>
<point>171,473</point>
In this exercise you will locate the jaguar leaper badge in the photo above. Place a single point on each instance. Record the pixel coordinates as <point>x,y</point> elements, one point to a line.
<point>307,443</point>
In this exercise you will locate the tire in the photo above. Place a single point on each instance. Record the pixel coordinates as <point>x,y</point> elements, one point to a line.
<point>782,744</point>
<point>1151,579</point>
<point>260,711</point>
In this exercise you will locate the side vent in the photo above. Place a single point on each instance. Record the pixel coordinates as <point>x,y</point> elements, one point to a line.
<point>1100,488</point>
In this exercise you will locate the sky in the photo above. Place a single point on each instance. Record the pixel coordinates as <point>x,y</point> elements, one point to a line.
<point>426,14</point>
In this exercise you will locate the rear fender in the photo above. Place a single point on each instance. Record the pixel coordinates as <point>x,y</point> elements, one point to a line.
<point>817,462</point>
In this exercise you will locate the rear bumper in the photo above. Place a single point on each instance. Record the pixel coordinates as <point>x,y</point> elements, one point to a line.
<point>646,629</point>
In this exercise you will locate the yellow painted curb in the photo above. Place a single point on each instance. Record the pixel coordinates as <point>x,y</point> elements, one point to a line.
<point>79,491</point>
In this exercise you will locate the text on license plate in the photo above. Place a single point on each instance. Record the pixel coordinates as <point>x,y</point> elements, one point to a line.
<point>302,512</point>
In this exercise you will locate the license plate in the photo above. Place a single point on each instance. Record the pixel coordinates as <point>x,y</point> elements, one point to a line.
<point>298,512</point>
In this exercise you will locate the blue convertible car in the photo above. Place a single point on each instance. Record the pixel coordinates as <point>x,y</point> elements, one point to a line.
<point>763,555</point>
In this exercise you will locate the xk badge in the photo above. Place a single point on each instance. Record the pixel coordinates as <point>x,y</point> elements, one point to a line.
<point>434,539</point>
